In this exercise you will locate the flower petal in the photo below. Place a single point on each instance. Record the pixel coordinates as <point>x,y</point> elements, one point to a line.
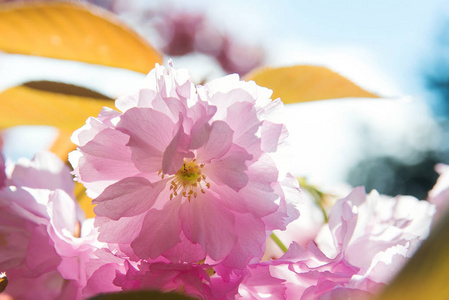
<point>206,222</point>
<point>243,120</point>
<point>185,252</point>
<point>128,197</point>
<point>176,151</point>
<point>230,169</point>
<point>250,243</point>
<point>122,231</point>
<point>219,142</point>
<point>150,133</point>
<point>160,231</point>
<point>103,164</point>
<point>257,197</point>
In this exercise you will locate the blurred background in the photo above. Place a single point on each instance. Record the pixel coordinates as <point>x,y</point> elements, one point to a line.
<point>397,49</point>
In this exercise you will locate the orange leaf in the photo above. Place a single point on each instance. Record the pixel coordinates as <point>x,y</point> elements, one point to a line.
<point>306,83</point>
<point>73,31</point>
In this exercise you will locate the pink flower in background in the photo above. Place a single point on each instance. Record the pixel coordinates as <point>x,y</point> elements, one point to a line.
<point>183,33</point>
<point>188,172</point>
<point>47,246</point>
<point>299,274</point>
<point>366,242</point>
<point>376,234</point>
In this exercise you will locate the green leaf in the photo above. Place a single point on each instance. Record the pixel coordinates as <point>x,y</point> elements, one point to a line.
<point>73,31</point>
<point>141,295</point>
<point>306,83</point>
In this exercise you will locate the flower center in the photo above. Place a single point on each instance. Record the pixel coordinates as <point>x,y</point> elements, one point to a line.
<point>189,180</point>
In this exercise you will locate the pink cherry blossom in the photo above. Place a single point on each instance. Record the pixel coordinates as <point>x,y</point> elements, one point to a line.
<point>185,169</point>
<point>298,274</point>
<point>375,233</point>
<point>47,246</point>
<point>44,171</point>
<point>366,242</point>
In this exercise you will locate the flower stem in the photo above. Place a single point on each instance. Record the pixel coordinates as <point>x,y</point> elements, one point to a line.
<point>278,242</point>
<point>316,194</point>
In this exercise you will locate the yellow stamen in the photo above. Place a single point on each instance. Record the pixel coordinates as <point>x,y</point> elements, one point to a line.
<point>188,180</point>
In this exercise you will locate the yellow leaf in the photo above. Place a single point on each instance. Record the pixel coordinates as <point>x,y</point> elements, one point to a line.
<point>63,145</point>
<point>73,31</point>
<point>83,200</point>
<point>425,275</point>
<point>49,103</point>
<point>306,83</point>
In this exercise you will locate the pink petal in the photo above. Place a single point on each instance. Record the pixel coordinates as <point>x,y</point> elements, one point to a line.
<point>126,102</point>
<point>44,171</point>
<point>41,256</point>
<point>261,282</point>
<point>290,194</point>
<point>224,99</point>
<point>243,120</point>
<point>101,281</point>
<point>250,242</point>
<point>271,135</point>
<point>62,210</point>
<point>218,144</point>
<point>172,107</point>
<point>123,231</point>
<point>342,219</point>
<point>257,197</point>
<point>199,134</point>
<point>104,164</point>
<point>230,169</point>
<point>176,151</point>
<point>201,112</point>
<point>146,98</point>
<point>128,197</point>
<point>150,133</point>
<point>206,222</point>
<point>160,231</point>
<point>185,251</point>
<point>200,130</point>
<point>93,126</point>
<point>47,286</point>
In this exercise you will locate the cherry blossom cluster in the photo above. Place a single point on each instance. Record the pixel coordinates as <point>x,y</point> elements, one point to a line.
<point>182,32</point>
<point>188,185</point>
